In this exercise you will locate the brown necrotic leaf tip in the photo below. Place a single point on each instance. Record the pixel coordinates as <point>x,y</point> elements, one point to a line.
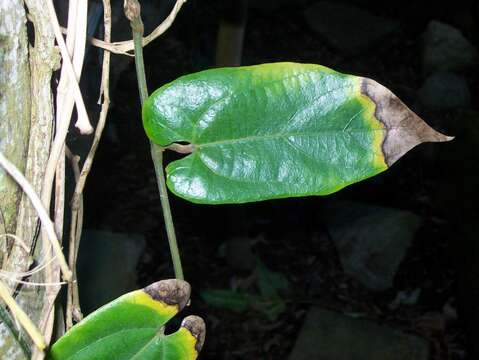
<point>403,128</point>
<point>171,292</point>
<point>197,328</point>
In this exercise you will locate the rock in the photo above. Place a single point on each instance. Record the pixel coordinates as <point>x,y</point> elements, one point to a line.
<point>444,48</point>
<point>107,266</point>
<point>405,298</point>
<point>328,335</point>
<point>371,240</point>
<point>444,90</point>
<point>347,27</point>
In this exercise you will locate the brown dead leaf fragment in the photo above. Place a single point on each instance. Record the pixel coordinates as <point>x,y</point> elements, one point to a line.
<point>404,129</point>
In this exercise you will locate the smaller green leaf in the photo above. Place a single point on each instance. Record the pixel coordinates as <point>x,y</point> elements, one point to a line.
<point>241,302</point>
<point>131,327</point>
<point>227,299</point>
<point>271,309</point>
<point>270,283</point>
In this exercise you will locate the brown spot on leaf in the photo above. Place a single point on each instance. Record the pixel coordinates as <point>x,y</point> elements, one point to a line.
<point>171,292</point>
<point>197,328</point>
<point>404,129</point>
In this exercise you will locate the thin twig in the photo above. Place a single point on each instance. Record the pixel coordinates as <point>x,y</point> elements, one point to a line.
<point>17,241</point>
<point>83,123</point>
<point>77,32</point>
<point>32,283</point>
<point>124,47</point>
<point>42,213</point>
<point>133,13</point>
<point>21,317</point>
<point>14,275</point>
<point>75,160</point>
<point>73,306</point>
<point>64,108</point>
<point>180,148</point>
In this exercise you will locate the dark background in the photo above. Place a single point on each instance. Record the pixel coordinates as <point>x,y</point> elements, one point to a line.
<point>220,244</point>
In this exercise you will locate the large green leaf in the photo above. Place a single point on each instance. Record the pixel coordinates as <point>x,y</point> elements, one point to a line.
<point>278,130</point>
<point>131,327</point>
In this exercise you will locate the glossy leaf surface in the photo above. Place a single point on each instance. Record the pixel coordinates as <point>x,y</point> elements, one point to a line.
<point>278,130</point>
<point>130,327</point>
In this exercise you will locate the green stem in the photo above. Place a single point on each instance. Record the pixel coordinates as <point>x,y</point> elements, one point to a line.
<point>140,64</point>
<point>156,151</point>
<point>157,155</point>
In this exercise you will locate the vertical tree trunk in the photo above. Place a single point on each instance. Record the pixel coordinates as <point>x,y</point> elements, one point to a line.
<point>14,109</point>
<point>26,119</point>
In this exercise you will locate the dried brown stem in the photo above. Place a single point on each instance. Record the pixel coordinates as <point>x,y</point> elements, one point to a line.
<point>181,149</point>
<point>125,47</point>
<point>83,123</point>
<point>22,317</point>
<point>75,160</point>
<point>73,306</point>
<point>42,213</point>
<point>79,15</point>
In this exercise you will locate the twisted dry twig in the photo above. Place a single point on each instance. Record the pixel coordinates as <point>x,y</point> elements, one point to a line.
<point>73,306</point>
<point>42,213</point>
<point>125,47</point>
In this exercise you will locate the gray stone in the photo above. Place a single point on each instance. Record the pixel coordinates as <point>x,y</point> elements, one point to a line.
<point>347,27</point>
<point>444,48</point>
<point>443,90</point>
<point>107,266</point>
<point>328,335</point>
<point>371,240</point>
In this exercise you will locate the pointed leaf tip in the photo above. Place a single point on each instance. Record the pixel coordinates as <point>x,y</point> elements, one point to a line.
<point>404,129</point>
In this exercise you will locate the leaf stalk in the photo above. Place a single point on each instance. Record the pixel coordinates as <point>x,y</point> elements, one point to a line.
<point>133,13</point>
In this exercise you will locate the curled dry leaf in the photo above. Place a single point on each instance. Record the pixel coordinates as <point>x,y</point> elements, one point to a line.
<point>278,130</point>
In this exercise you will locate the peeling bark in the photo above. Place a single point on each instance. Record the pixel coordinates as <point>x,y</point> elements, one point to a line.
<point>44,59</point>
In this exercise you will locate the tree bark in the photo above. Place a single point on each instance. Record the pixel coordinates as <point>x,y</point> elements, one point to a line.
<point>26,120</point>
<point>14,110</point>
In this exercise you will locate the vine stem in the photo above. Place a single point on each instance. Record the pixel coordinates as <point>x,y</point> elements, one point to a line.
<point>22,317</point>
<point>157,155</point>
<point>133,13</point>
<point>6,318</point>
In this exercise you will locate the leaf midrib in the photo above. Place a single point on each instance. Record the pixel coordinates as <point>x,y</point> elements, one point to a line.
<point>279,136</point>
